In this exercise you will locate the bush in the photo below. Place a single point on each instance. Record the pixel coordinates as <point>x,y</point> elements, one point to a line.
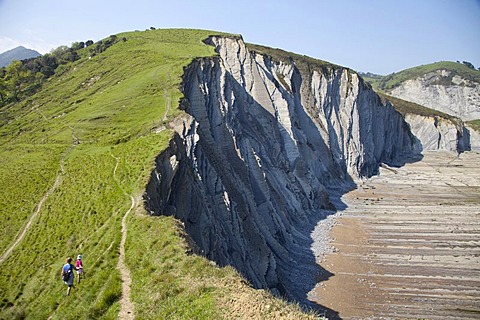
<point>468,64</point>
<point>78,45</point>
<point>103,45</point>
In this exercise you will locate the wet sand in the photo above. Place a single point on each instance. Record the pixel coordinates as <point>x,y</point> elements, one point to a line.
<point>408,245</point>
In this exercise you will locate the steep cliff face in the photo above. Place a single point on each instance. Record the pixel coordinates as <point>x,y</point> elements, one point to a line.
<point>435,133</point>
<point>474,138</point>
<point>251,171</point>
<point>442,90</point>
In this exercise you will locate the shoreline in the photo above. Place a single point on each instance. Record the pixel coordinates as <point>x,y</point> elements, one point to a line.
<point>408,245</point>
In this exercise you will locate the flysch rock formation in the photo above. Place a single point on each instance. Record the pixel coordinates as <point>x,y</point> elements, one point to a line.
<point>474,138</point>
<point>267,150</point>
<point>442,91</point>
<point>437,133</point>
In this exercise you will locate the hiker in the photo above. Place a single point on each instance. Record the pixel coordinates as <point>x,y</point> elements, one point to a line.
<point>67,274</point>
<point>79,267</point>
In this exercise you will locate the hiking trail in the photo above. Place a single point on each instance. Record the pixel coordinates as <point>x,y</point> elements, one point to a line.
<point>56,183</point>
<point>126,305</point>
<point>168,105</point>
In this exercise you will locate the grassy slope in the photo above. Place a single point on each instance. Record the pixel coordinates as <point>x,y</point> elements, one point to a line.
<point>390,81</point>
<point>405,107</point>
<point>111,104</point>
<point>474,124</point>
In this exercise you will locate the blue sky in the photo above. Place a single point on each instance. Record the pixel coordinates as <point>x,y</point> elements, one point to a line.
<point>380,36</point>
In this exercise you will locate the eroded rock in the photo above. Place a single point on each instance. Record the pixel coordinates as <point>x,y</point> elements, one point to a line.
<point>268,148</point>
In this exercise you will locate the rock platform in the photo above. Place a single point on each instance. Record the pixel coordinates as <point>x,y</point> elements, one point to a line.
<point>408,245</point>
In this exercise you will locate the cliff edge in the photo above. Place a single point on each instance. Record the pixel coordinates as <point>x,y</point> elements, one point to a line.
<point>268,146</point>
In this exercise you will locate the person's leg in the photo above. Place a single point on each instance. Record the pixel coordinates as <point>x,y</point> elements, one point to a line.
<point>68,290</point>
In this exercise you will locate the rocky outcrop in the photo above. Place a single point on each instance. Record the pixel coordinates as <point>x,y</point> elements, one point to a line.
<point>443,91</point>
<point>474,138</point>
<point>254,168</point>
<point>435,133</point>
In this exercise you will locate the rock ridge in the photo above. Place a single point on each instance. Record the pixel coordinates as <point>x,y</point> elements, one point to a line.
<point>267,146</point>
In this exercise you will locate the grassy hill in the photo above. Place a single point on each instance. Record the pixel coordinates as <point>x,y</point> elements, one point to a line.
<point>71,156</point>
<point>385,83</point>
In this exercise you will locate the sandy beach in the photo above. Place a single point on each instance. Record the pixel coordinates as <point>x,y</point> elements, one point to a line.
<point>408,245</point>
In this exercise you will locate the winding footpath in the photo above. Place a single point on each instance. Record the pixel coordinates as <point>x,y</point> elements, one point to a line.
<point>126,305</point>
<point>34,215</point>
<point>56,183</point>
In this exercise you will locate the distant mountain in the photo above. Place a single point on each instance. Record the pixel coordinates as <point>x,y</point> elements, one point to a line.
<point>18,53</point>
<point>449,87</point>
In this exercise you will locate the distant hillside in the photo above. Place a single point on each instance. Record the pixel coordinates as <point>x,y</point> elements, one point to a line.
<point>393,80</point>
<point>18,53</point>
<point>449,87</point>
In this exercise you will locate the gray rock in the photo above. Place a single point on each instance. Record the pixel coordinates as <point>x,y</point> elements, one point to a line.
<point>437,133</point>
<point>265,155</point>
<point>460,99</point>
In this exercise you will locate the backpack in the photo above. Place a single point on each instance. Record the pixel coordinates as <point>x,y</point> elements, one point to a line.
<point>66,275</point>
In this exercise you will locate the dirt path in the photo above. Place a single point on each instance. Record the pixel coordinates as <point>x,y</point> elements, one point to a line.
<point>408,246</point>
<point>56,183</point>
<point>126,305</point>
<point>33,216</point>
<point>168,105</point>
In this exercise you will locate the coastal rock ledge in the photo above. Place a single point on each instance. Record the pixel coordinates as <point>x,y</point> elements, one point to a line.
<point>267,149</point>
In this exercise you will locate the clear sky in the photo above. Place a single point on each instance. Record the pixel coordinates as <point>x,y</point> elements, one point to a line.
<point>380,36</point>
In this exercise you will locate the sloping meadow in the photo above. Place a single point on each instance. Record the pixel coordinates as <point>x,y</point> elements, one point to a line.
<point>70,158</point>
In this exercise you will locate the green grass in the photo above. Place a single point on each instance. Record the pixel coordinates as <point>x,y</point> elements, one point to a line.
<point>407,107</point>
<point>391,81</point>
<point>26,172</point>
<point>165,275</point>
<point>301,61</point>
<point>96,115</point>
<point>110,103</point>
<point>474,124</point>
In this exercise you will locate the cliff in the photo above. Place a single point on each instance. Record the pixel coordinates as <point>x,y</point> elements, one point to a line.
<point>78,153</point>
<point>268,145</point>
<point>437,133</point>
<point>449,87</point>
<point>460,99</point>
<point>434,129</point>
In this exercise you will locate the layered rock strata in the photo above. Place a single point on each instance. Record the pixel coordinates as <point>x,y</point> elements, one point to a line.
<point>441,90</point>
<point>253,170</point>
<point>435,133</point>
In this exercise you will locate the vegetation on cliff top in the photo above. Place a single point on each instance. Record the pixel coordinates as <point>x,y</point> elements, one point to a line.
<point>388,82</point>
<point>474,124</point>
<point>285,56</point>
<point>71,152</point>
<point>406,107</point>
